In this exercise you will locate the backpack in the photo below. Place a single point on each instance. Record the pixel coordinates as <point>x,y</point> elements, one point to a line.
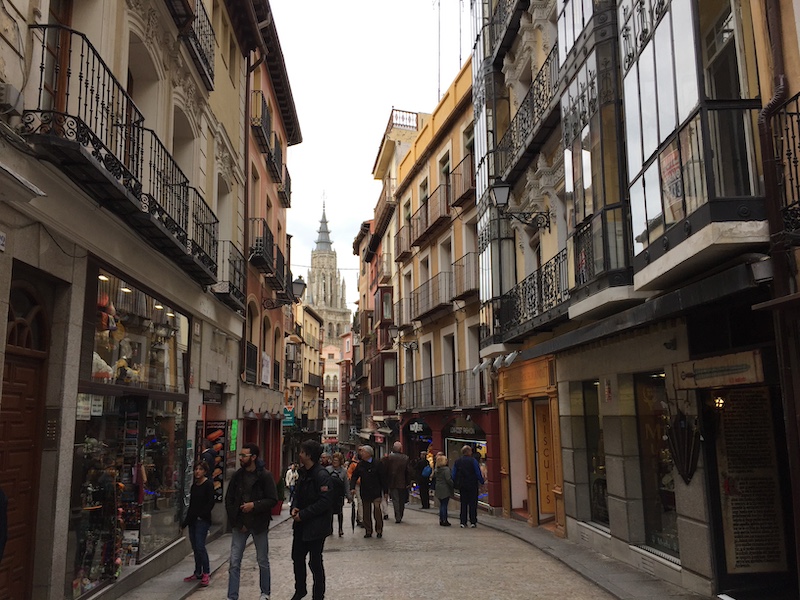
<point>337,485</point>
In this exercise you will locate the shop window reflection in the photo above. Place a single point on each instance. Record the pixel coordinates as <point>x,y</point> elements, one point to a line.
<point>139,341</point>
<point>595,448</point>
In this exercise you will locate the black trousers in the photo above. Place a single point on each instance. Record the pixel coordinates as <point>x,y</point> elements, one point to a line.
<point>313,549</point>
<point>469,505</point>
<point>424,492</point>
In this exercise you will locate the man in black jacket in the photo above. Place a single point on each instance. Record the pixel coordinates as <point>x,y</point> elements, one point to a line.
<point>311,511</point>
<point>423,482</point>
<point>467,477</point>
<point>249,501</point>
<point>370,473</point>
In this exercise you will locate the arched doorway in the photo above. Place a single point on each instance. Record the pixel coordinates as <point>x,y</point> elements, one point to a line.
<point>21,417</point>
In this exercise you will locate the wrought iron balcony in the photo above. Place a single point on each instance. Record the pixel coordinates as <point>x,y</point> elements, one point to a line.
<point>285,189</point>
<point>314,380</point>
<point>360,371</point>
<point>251,362</point>
<point>276,375</point>
<point>785,125</point>
<point>462,182</point>
<point>262,247</point>
<point>402,314</point>
<point>434,213</point>
<point>278,282</point>
<point>182,12</point>
<point>537,116</point>
<point>384,209</point>
<point>536,302</point>
<point>200,41</point>
<point>202,245</point>
<point>433,296</point>
<point>275,158</point>
<point>294,372</point>
<point>384,270</point>
<point>468,389</point>
<point>451,390</point>
<point>231,286</point>
<point>260,121</point>
<point>504,26</point>
<point>465,276</point>
<point>402,243</point>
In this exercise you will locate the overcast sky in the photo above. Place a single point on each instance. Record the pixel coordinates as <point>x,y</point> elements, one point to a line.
<point>349,63</point>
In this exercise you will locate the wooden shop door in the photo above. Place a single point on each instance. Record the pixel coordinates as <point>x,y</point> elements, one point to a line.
<point>20,453</point>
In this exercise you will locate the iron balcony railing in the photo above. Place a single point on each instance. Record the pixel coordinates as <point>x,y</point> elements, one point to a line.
<point>80,101</point>
<point>200,41</point>
<point>260,120</point>
<point>584,254</point>
<point>785,125</point>
<point>402,243</point>
<point>402,314</point>
<point>294,372</point>
<point>466,276</point>
<point>276,375</point>
<point>462,182</point>
<point>314,380</point>
<point>419,223</point>
<point>434,294</point>
<point>250,363</point>
<point>262,246</point>
<point>434,212</point>
<point>231,286</point>
<point>285,189</point>
<point>205,231</point>
<point>385,269</point>
<point>386,203</point>
<point>275,158</point>
<point>468,389</point>
<point>182,12</point>
<point>360,371</point>
<point>536,105</point>
<point>280,270</point>
<point>542,290</point>
<point>450,390</point>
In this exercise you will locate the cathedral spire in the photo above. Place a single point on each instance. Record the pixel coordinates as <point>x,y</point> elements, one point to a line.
<point>324,238</point>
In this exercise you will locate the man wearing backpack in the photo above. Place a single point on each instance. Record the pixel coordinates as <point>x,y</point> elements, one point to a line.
<point>340,488</point>
<point>369,473</point>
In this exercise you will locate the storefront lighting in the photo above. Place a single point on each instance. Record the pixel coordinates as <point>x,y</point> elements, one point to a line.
<point>125,289</point>
<point>719,402</point>
<point>158,307</point>
<point>170,314</point>
<point>501,192</point>
<point>102,277</point>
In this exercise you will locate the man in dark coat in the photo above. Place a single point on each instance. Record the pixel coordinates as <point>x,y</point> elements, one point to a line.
<point>398,479</point>
<point>423,482</point>
<point>370,474</point>
<point>248,502</point>
<point>311,511</point>
<point>467,477</point>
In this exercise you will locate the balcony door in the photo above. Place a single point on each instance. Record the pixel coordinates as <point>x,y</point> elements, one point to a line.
<point>57,49</point>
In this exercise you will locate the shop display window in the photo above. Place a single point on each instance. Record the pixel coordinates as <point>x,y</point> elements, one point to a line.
<point>596,453</point>
<point>126,486</point>
<point>658,469</point>
<point>139,340</point>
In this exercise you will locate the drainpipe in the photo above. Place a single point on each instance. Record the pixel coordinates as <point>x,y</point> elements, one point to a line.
<point>783,316</point>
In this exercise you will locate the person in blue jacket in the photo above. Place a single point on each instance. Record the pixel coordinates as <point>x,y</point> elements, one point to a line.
<point>467,477</point>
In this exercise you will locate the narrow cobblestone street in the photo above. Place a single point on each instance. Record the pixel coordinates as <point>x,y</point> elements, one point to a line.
<point>416,559</point>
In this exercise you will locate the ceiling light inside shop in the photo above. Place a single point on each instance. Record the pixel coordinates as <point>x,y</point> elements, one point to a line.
<point>102,277</point>
<point>170,314</point>
<point>158,307</point>
<point>125,289</point>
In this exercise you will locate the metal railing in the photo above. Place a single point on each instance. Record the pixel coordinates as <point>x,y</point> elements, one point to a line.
<point>450,390</point>
<point>205,227</point>
<point>532,110</point>
<point>250,363</point>
<point>276,375</point>
<point>231,272</point>
<point>402,119</point>
<point>285,189</point>
<point>80,100</point>
<point>434,293</point>
<point>466,275</point>
<point>201,44</point>
<point>314,380</point>
<point>275,158</point>
<point>260,120</point>
<point>785,125</point>
<point>584,254</point>
<point>462,181</point>
<point>402,243</point>
<point>419,223</point>
<point>540,291</point>
<point>402,313</point>
<point>262,245</point>
<point>386,202</point>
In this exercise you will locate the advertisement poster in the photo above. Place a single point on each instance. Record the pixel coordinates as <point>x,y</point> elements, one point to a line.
<point>214,432</point>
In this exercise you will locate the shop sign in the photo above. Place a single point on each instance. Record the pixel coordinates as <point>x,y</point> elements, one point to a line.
<point>214,432</point>
<point>97,406</point>
<point>742,368</point>
<point>379,438</point>
<point>83,410</point>
<point>213,395</point>
<point>288,417</point>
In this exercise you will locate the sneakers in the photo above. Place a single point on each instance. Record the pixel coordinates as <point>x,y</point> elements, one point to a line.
<point>191,578</point>
<point>473,526</point>
<point>205,580</point>
<point>263,597</point>
<point>463,525</point>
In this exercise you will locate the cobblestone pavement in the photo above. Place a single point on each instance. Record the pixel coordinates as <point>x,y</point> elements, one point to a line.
<point>416,559</point>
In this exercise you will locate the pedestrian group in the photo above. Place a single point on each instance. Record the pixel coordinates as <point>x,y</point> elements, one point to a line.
<point>318,488</point>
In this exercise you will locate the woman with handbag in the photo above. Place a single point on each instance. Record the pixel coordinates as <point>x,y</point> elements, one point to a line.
<point>443,488</point>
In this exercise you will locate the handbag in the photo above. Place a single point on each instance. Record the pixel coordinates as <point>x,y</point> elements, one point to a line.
<point>426,472</point>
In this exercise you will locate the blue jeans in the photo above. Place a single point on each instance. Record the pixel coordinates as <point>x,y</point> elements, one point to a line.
<point>198,532</point>
<point>238,541</point>
<point>443,509</point>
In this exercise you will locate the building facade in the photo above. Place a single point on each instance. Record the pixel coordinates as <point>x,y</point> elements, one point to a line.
<point>124,189</point>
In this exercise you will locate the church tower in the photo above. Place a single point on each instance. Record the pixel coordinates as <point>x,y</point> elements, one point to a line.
<point>326,288</point>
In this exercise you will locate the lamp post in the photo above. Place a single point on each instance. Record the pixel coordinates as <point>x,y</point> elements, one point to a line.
<point>394,333</point>
<point>298,289</point>
<point>501,192</point>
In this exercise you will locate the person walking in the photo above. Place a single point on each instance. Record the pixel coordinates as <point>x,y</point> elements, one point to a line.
<point>398,478</point>
<point>209,455</point>
<point>443,488</point>
<point>355,489</point>
<point>467,477</point>
<point>198,520</point>
<point>337,471</point>
<point>311,513</point>
<point>422,475</point>
<point>371,479</point>
<point>249,501</point>
<point>291,480</point>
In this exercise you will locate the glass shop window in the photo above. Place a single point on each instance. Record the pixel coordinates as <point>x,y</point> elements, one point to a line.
<point>139,340</point>
<point>658,469</point>
<point>596,453</point>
